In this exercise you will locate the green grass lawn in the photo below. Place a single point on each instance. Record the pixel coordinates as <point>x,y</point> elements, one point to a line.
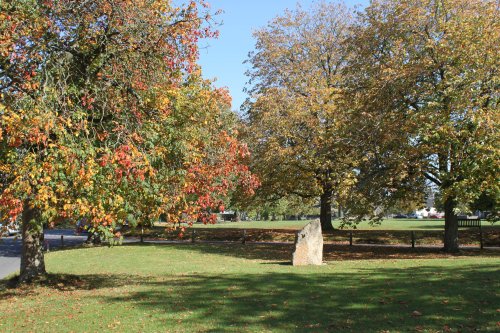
<point>252,288</point>
<point>388,224</point>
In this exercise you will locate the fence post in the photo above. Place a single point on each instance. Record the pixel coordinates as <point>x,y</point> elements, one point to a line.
<point>62,241</point>
<point>413,239</point>
<point>244,240</point>
<point>350,238</point>
<point>193,235</point>
<point>142,238</point>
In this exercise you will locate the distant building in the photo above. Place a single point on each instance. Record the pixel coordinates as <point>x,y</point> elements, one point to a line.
<point>430,200</point>
<point>228,215</point>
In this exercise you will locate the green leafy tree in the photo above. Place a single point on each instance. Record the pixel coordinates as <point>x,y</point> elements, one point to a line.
<point>424,80</point>
<point>295,123</point>
<point>103,114</point>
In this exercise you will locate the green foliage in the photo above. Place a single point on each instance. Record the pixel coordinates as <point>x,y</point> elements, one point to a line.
<point>295,122</point>
<point>424,82</point>
<point>488,203</point>
<point>104,113</point>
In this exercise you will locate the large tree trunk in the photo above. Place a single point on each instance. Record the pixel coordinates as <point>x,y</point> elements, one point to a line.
<point>32,259</point>
<point>450,226</point>
<point>325,216</point>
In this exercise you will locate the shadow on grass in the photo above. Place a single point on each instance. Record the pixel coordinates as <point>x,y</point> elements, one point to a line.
<point>371,299</point>
<point>66,283</point>
<point>431,298</point>
<point>282,253</point>
<point>248,251</point>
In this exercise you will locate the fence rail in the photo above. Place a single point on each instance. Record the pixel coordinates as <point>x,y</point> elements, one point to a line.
<point>412,238</point>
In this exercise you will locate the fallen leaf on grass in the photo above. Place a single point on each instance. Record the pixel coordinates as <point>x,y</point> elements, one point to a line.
<point>416,313</point>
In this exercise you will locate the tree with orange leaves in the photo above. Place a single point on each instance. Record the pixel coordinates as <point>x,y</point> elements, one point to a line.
<point>103,114</point>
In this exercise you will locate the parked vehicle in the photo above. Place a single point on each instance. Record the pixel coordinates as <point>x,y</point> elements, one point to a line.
<point>400,216</point>
<point>9,229</point>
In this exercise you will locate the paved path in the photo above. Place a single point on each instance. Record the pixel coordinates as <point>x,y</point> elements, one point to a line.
<point>10,248</point>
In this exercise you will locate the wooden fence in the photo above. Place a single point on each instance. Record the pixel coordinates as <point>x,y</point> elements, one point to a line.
<point>414,238</point>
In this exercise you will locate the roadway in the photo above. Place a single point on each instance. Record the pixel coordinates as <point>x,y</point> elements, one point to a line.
<point>10,248</point>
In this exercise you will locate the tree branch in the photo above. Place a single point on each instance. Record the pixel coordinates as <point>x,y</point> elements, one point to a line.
<point>432,178</point>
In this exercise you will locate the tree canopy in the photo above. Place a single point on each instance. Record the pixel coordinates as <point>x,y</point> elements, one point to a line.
<point>424,81</point>
<point>104,113</point>
<point>373,109</point>
<point>295,121</point>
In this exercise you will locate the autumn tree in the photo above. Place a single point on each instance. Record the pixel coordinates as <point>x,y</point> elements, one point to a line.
<point>424,79</point>
<point>294,120</point>
<point>103,114</point>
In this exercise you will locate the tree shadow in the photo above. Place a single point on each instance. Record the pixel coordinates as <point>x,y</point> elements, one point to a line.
<point>282,253</point>
<point>333,252</point>
<point>421,298</point>
<point>365,299</point>
<point>66,282</point>
<point>250,251</point>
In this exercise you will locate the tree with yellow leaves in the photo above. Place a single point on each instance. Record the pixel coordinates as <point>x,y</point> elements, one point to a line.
<point>425,84</point>
<point>295,120</point>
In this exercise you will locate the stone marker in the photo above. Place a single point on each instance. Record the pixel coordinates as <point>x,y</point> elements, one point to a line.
<point>309,245</point>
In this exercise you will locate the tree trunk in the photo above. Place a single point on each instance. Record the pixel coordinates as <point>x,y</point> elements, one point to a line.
<point>326,210</point>
<point>32,259</point>
<point>450,227</point>
<point>94,238</point>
